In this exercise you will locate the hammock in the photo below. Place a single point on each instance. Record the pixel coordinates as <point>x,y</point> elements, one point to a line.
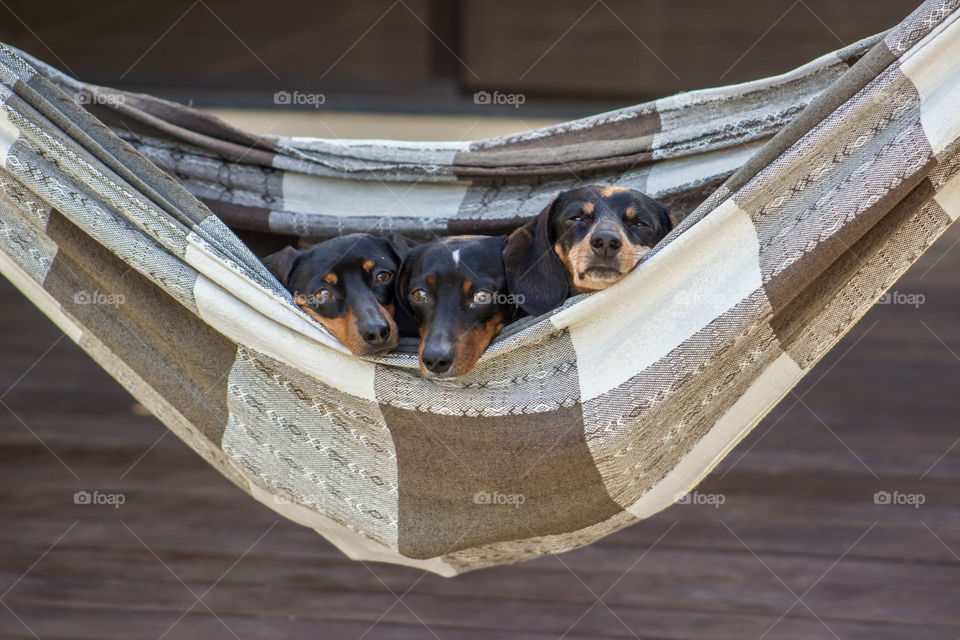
<point>816,190</point>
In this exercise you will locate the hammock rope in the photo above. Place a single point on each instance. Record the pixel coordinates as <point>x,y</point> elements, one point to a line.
<point>805,197</point>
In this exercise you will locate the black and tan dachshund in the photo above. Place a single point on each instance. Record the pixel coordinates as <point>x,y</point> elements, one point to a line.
<point>458,293</point>
<point>455,292</point>
<point>347,285</point>
<point>585,240</point>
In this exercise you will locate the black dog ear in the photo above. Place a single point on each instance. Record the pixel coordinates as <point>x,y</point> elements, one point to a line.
<point>281,264</point>
<point>400,244</point>
<point>406,322</point>
<point>535,274</point>
<point>666,218</point>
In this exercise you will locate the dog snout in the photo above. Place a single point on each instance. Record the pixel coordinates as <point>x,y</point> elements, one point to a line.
<point>437,358</point>
<point>605,243</point>
<point>375,332</point>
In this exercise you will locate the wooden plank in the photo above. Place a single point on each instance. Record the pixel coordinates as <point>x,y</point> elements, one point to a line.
<point>243,45</point>
<point>653,48</point>
<point>451,617</point>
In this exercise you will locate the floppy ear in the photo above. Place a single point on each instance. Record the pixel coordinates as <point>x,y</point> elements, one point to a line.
<point>406,323</point>
<point>281,264</point>
<point>666,218</point>
<point>535,274</point>
<point>400,244</point>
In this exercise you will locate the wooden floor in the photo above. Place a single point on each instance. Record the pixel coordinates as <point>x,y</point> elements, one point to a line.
<point>798,548</point>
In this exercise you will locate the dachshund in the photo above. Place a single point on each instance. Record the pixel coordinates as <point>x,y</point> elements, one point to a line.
<point>585,240</point>
<point>455,293</point>
<point>347,285</point>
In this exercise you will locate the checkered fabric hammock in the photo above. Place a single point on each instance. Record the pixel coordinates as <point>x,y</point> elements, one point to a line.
<point>816,190</point>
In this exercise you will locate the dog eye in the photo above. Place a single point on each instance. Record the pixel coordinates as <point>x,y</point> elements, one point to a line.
<point>384,276</point>
<point>322,296</point>
<point>419,296</point>
<point>638,222</point>
<point>482,297</point>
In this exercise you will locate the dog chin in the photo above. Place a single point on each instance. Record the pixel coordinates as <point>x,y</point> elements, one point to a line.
<point>596,278</point>
<point>446,375</point>
<point>368,350</point>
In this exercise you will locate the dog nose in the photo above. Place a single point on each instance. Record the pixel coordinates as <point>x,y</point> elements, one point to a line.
<point>376,333</point>
<point>605,243</point>
<point>437,360</point>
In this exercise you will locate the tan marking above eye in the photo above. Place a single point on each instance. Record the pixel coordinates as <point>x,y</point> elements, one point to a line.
<point>587,208</point>
<point>467,285</point>
<point>331,278</point>
<point>431,281</point>
<point>630,213</point>
<point>608,191</point>
<point>368,265</point>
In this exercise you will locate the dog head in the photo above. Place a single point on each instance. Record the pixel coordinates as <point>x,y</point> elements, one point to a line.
<point>585,240</point>
<point>347,285</point>
<point>456,291</point>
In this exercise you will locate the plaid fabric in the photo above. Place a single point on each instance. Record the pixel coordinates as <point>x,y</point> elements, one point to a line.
<point>816,190</point>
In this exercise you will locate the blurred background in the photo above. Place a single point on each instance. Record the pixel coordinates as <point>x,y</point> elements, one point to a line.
<point>567,58</point>
<point>791,540</point>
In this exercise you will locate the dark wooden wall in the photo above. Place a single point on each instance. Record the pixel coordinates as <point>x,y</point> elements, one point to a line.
<point>433,54</point>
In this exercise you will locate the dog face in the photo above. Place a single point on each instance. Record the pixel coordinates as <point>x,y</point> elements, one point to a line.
<point>456,291</point>
<point>585,240</point>
<point>347,285</point>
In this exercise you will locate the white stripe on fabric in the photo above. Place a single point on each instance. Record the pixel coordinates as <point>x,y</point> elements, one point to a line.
<point>339,197</point>
<point>246,326</point>
<point>766,391</point>
<point>8,135</point>
<point>949,197</point>
<point>934,69</point>
<point>620,331</point>
<point>361,145</point>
